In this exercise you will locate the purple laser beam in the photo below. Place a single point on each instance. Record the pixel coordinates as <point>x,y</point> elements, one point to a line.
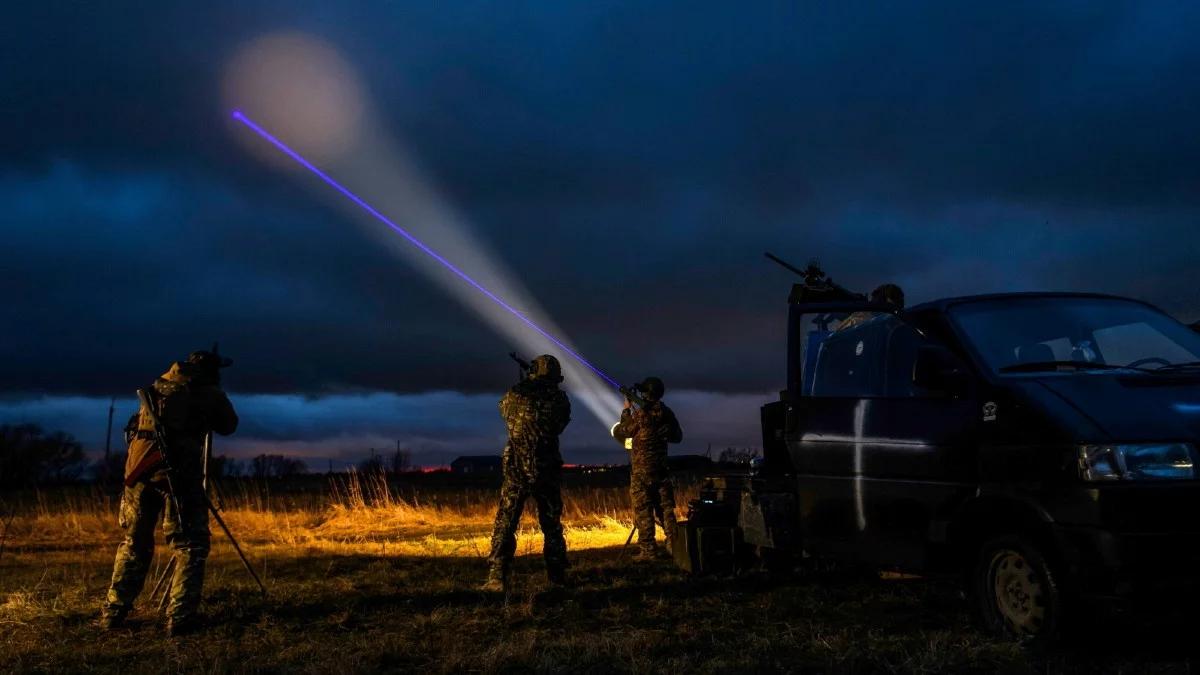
<point>239,116</point>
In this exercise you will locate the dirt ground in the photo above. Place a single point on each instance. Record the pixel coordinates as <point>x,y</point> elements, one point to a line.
<point>336,612</point>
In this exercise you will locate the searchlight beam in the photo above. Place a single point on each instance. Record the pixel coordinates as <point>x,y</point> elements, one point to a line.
<point>282,147</point>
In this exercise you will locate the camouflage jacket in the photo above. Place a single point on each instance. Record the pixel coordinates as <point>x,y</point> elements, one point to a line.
<point>535,412</point>
<point>189,409</point>
<point>651,428</point>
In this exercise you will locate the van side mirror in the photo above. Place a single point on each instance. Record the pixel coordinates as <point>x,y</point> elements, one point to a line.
<point>937,370</point>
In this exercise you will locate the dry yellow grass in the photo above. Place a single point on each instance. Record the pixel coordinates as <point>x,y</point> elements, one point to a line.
<point>358,514</point>
<point>363,578</point>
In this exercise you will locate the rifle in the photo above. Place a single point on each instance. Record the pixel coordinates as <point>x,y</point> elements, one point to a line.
<point>523,366</point>
<point>160,437</point>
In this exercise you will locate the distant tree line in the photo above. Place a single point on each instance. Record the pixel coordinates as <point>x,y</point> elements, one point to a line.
<point>277,466</point>
<point>399,461</point>
<point>30,457</point>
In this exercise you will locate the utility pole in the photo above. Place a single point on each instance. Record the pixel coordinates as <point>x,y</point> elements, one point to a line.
<point>108,437</point>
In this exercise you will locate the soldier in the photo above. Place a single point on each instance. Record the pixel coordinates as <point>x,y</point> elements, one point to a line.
<point>887,294</point>
<point>535,411</point>
<point>646,431</point>
<point>190,403</point>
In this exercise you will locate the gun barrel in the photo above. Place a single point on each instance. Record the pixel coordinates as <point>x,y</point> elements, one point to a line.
<point>785,264</point>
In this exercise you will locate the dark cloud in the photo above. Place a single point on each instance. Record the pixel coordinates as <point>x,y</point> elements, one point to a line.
<point>630,162</point>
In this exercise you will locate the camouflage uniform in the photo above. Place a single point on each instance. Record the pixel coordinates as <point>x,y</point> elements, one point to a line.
<point>650,428</point>
<point>190,404</point>
<point>535,411</point>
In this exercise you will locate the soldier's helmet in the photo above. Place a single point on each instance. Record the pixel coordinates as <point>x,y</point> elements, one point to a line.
<point>545,367</point>
<point>652,388</point>
<point>890,294</point>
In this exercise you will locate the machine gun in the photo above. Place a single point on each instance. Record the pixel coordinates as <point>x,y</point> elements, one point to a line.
<point>815,285</point>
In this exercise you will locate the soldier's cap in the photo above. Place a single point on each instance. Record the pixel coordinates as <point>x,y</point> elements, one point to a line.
<point>206,359</point>
<point>652,388</point>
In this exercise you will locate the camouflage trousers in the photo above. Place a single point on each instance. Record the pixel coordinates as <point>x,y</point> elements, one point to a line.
<point>653,498</point>
<point>547,494</point>
<point>142,506</point>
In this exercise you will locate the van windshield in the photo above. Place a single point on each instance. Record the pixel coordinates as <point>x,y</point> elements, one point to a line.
<point>1075,335</point>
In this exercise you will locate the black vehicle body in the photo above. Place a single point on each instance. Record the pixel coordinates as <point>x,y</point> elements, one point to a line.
<point>948,452</point>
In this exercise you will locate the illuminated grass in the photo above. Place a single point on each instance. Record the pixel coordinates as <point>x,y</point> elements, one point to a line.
<point>358,514</point>
<point>362,580</point>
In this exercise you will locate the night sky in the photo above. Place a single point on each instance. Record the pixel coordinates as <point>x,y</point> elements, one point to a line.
<point>628,161</point>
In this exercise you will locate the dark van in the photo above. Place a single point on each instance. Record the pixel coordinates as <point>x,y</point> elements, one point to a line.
<point>1042,445</point>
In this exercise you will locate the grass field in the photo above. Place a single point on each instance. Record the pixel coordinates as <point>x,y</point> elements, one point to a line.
<point>364,579</point>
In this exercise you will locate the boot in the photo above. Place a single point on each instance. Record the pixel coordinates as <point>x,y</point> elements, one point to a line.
<point>497,580</point>
<point>112,619</point>
<point>646,552</point>
<point>183,625</point>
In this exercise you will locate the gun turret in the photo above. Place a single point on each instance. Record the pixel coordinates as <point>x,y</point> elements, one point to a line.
<point>816,286</point>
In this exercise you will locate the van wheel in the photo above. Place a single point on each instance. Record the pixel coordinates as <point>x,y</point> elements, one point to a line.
<point>1015,591</point>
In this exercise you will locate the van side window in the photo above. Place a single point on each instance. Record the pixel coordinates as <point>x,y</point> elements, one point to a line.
<point>850,358</point>
<point>903,342</point>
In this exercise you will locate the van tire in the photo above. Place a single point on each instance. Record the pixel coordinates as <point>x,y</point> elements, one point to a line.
<point>1015,591</point>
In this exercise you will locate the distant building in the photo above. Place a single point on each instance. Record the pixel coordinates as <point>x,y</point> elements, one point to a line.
<point>476,464</point>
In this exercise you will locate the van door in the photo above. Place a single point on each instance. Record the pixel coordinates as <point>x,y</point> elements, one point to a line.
<point>922,461</point>
<point>845,365</point>
<point>876,457</point>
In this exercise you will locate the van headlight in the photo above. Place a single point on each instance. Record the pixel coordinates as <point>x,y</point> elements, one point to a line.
<point>1137,461</point>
